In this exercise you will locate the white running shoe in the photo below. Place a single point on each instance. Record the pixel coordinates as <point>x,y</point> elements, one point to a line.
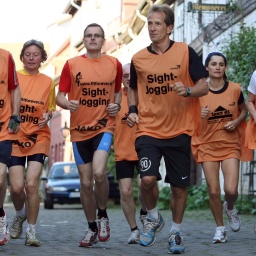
<point>89,239</point>
<point>16,228</point>
<point>31,238</point>
<point>135,237</point>
<point>4,231</point>
<point>103,229</point>
<point>220,235</point>
<point>233,218</point>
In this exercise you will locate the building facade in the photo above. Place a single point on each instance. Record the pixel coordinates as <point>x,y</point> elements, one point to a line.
<point>203,24</point>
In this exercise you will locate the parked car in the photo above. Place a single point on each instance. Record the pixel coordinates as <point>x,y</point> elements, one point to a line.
<point>62,185</point>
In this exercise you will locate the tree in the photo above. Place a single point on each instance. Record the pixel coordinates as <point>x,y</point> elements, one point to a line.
<point>240,51</point>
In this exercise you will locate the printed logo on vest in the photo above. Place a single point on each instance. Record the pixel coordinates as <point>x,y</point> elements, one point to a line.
<point>32,137</point>
<point>78,78</point>
<point>176,67</point>
<point>103,121</point>
<point>220,114</point>
<point>160,79</point>
<point>25,117</point>
<point>82,128</point>
<point>27,144</point>
<point>145,164</point>
<point>123,120</point>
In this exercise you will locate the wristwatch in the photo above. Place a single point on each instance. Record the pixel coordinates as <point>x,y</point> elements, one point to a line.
<point>188,91</point>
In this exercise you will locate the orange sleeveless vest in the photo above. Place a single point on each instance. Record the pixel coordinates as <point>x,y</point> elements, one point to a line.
<point>93,85</point>
<point>215,143</point>
<point>124,139</point>
<point>35,100</point>
<point>163,113</point>
<point>5,98</point>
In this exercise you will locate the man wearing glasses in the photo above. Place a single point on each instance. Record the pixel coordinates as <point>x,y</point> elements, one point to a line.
<point>92,82</point>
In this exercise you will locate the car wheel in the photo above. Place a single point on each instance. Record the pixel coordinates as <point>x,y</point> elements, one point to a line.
<point>48,204</point>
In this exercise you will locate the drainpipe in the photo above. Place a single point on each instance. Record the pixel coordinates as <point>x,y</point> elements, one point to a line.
<point>72,2</point>
<point>130,33</point>
<point>142,17</point>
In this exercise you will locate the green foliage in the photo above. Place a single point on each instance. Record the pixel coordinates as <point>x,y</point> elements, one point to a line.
<point>198,197</point>
<point>232,7</point>
<point>240,51</point>
<point>135,191</point>
<point>111,165</point>
<point>164,198</point>
<point>246,204</point>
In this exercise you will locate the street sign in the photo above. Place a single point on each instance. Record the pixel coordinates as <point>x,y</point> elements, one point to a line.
<point>207,7</point>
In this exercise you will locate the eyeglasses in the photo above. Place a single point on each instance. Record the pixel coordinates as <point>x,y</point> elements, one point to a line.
<point>93,35</point>
<point>126,76</point>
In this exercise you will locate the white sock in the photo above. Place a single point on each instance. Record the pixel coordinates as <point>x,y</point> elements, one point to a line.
<point>175,227</point>
<point>232,211</point>
<point>21,213</point>
<point>31,227</point>
<point>153,213</point>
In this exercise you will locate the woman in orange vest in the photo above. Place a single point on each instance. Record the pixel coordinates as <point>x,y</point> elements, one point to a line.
<point>223,113</point>
<point>33,143</point>
<point>251,105</point>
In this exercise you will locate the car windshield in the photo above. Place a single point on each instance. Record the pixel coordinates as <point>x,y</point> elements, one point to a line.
<point>64,171</point>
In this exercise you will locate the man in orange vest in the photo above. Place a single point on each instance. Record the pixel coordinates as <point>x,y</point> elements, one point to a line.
<point>92,82</point>
<point>9,126</point>
<point>167,78</point>
<point>126,162</point>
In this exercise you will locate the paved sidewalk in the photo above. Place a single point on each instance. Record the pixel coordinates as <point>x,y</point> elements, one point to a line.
<point>61,229</point>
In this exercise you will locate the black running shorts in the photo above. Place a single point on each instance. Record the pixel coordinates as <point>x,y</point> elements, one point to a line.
<point>126,169</point>
<point>177,157</point>
<point>21,160</point>
<point>5,151</point>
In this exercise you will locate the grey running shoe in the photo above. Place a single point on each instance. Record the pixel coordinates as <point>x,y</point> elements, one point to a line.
<point>143,218</point>
<point>175,244</point>
<point>233,218</point>
<point>31,238</point>
<point>148,236</point>
<point>135,237</point>
<point>220,236</point>
<point>16,228</point>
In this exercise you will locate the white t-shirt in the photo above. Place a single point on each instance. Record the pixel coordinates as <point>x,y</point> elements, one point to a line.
<point>252,84</point>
